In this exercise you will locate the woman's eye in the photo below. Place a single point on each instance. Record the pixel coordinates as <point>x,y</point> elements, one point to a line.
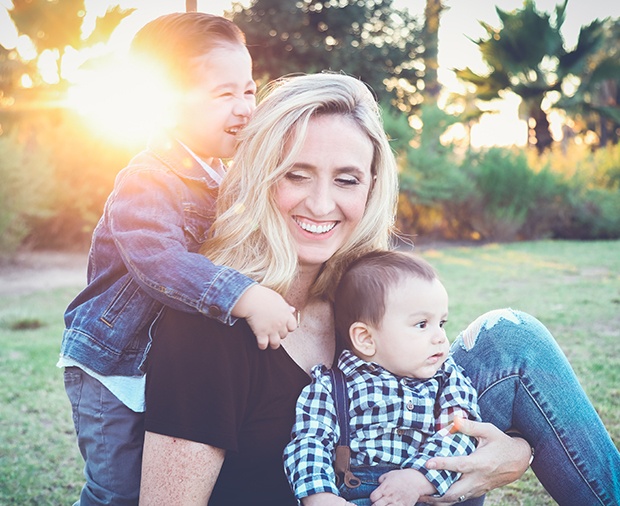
<point>295,176</point>
<point>347,181</point>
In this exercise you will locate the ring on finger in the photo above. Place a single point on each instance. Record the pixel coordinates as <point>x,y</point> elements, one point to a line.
<point>461,498</point>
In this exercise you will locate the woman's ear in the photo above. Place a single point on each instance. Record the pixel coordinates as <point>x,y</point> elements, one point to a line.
<point>362,339</point>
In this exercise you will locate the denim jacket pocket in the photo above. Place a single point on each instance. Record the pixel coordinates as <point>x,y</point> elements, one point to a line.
<point>197,223</point>
<point>128,291</point>
<point>128,316</point>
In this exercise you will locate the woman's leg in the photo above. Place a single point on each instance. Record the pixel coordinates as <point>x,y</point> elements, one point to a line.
<point>525,382</point>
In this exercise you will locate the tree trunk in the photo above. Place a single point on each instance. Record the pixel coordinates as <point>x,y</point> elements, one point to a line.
<point>430,37</point>
<point>542,134</point>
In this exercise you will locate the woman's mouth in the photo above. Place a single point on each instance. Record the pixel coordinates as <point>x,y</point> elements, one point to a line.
<point>315,228</point>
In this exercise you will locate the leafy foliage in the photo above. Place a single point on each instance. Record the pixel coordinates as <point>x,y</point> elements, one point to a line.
<point>23,196</point>
<point>52,26</point>
<point>595,104</point>
<point>371,40</point>
<point>527,56</point>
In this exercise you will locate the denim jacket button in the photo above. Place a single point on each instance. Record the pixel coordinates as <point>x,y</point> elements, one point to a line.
<point>214,310</point>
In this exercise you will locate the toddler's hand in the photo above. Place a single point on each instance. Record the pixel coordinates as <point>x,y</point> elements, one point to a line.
<point>268,315</point>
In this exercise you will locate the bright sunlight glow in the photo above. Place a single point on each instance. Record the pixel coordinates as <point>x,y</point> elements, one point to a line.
<point>123,100</point>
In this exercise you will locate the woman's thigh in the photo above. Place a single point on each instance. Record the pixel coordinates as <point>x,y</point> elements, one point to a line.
<point>525,382</point>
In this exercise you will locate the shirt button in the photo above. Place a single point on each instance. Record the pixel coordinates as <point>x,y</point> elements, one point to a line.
<point>214,310</point>
<point>410,406</point>
<point>400,432</point>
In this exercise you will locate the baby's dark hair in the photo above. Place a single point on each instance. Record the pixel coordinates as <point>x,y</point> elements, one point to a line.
<point>362,292</point>
<point>175,40</point>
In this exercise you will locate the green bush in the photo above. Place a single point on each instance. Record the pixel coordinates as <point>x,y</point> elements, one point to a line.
<point>84,168</point>
<point>25,195</point>
<point>590,181</point>
<point>430,180</point>
<point>509,201</point>
<point>593,213</point>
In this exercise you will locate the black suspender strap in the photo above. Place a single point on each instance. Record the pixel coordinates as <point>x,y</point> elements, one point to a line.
<point>342,463</point>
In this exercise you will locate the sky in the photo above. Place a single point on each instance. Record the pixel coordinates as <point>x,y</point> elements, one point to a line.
<point>458,24</point>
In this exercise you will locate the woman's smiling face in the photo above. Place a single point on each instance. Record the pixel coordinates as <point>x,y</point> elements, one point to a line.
<point>323,195</point>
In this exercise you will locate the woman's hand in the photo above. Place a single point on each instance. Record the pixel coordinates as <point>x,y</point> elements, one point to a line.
<point>498,460</point>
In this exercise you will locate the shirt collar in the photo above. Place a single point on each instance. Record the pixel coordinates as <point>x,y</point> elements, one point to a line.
<point>217,174</point>
<point>351,364</point>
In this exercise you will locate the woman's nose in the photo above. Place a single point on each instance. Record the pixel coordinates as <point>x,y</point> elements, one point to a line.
<point>320,200</point>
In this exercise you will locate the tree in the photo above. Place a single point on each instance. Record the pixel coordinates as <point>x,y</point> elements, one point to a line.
<point>430,39</point>
<point>368,39</point>
<point>54,26</point>
<point>527,56</point>
<point>595,103</point>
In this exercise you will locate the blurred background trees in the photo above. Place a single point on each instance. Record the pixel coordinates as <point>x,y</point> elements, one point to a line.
<point>57,170</point>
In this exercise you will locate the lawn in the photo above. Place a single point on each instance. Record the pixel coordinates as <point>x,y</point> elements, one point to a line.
<point>573,287</point>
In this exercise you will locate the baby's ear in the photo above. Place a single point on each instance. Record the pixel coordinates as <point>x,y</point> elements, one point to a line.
<point>362,339</point>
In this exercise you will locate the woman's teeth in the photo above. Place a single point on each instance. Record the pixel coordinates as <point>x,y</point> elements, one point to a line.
<point>316,229</point>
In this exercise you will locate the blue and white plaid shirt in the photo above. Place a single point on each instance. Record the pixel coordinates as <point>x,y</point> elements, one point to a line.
<point>393,420</point>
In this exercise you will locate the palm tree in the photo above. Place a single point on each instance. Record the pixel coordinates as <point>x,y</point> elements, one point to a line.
<point>595,103</point>
<point>527,56</point>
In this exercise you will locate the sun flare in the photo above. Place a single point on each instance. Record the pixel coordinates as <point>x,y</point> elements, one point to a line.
<point>123,100</point>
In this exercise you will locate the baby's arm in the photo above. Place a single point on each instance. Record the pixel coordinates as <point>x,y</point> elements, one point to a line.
<point>308,458</point>
<point>268,315</point>
<point>401,487</point>
<point>324,499</point>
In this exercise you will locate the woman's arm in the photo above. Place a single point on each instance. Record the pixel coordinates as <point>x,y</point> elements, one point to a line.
<point>498,460</point>
<point>177,471</point>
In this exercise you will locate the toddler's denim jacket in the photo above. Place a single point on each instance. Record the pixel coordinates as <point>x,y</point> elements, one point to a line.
<point>144,255</point>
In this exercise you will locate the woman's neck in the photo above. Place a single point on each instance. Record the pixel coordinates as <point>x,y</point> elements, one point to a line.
<point>298,295</point>
<point>313,341</point>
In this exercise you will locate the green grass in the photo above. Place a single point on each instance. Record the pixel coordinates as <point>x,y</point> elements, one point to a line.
<point>573,287</point>
<point>39,460</point>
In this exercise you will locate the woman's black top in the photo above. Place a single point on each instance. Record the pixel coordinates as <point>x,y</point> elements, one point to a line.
<point>209,382</point>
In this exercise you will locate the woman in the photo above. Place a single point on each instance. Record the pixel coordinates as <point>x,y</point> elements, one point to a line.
<point>313,187</point>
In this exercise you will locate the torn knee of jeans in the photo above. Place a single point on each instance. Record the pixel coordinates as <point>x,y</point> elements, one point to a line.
<point>486,321</point>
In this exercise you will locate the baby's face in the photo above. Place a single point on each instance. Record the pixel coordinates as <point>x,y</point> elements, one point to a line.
<point>411,340</point>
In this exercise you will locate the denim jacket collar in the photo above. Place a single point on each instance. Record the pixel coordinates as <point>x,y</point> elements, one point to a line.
<point>178,159</point>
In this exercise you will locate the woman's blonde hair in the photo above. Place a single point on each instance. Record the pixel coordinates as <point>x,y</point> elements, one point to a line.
<point>249,234</point>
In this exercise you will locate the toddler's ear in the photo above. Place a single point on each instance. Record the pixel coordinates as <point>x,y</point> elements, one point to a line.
<point>362,340</point>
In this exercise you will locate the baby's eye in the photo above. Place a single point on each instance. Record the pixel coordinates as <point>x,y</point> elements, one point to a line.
<point>421,325</point>
<point>442,323</point>
<point>250,92</point>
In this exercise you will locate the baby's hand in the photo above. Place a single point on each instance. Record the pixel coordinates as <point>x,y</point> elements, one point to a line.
<point>268,315</point>
<point>401,487</point>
